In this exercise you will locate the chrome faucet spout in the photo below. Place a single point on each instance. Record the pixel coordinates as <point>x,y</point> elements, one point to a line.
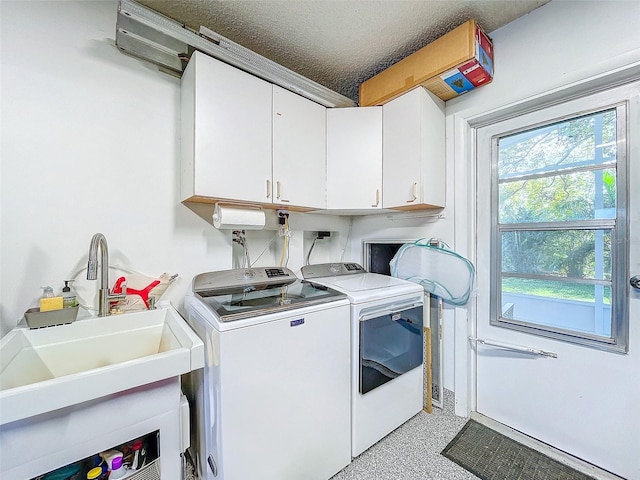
<point>99,242</point>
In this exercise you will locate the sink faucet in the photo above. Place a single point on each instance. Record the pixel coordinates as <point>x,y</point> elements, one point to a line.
<point>105,297</point>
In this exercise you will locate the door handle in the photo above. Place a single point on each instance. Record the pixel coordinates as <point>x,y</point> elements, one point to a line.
<point>635,282</point>
<point>377,198</point>
<point>278,192</point>
<point>268,188</point>
<point>515,348</point>
<point>414,194</point>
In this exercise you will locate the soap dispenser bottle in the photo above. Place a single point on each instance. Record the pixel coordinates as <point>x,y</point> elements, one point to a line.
<point>68,296</point>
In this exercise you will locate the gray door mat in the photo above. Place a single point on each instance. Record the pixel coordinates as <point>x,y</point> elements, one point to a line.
<point>490,455</point>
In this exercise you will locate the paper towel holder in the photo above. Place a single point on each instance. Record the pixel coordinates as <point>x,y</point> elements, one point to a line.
<point>247,206</point>
<point>232,204</point>
<point>243,216</point>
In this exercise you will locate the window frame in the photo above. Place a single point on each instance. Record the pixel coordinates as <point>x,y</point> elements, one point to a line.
<point>619,341</point>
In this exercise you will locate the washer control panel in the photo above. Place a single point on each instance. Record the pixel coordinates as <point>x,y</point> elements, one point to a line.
<point>331,270</point>
<point>256,277</point>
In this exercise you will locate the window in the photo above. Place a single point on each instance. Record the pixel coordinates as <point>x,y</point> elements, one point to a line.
<point>559,229</point>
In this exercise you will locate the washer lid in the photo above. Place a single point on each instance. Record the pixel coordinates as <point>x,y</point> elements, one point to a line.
<point>244,293</point>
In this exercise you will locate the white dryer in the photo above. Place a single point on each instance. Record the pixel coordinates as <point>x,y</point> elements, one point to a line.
<point>386,348</point>
<point>272,401</point>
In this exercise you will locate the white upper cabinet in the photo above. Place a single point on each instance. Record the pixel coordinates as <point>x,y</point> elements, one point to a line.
<point>299,150</point>
<point>246,140</point>
<point>226,132</point>
<point>413,166</point>
<point>354,158</point>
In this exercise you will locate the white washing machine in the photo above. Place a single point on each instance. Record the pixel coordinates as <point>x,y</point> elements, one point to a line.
<point>386,347</point>
<point>272,401</point>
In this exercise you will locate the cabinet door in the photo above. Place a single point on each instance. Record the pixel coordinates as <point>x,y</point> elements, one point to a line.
<point>299,150</point>
<point>226,132</point>
<point>354,158</point>
<point>413,151</point>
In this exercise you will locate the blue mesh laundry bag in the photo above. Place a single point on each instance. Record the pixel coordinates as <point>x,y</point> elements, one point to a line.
<point>440,271</point>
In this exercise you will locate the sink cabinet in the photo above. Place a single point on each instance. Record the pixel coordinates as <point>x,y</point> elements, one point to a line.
<point>354,159</point>
<point>141,463</point>
<point>413,165</point>
<point>40,444</point>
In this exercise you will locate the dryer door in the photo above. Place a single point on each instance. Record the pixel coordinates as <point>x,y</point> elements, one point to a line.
<point>390,345</point>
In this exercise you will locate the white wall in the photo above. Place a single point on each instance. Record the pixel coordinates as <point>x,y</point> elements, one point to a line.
<point>90,143</point>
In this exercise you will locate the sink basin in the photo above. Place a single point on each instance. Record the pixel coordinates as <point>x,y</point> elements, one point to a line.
<point>49,368</point>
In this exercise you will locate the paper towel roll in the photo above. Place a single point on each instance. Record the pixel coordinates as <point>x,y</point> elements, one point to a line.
<point>236,218</point>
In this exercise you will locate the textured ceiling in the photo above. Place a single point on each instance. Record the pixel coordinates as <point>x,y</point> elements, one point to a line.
<point>339,44</point>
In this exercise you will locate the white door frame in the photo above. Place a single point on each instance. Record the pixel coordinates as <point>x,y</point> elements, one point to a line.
<point>463,127</point>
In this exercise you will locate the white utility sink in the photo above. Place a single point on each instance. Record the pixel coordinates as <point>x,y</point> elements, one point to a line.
<point>49,368</point>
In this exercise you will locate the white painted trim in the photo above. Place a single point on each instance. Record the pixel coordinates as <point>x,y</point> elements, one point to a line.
<point>464,235</point>
<point>551,452</point>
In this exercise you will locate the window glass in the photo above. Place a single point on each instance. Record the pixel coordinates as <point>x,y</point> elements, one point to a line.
<point>563,253</point>
<point>572,196</point>
<point>556,215</point>
<point>580,142</point>
<point>585,309</point>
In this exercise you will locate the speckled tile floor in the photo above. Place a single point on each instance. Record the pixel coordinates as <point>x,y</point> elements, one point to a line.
<point>410,452</point>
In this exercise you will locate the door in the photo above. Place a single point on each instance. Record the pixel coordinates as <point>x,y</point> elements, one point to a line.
<point>413,150</point>
<point>299,150</point>
<point>226,136</point>
<point>390,346</point>
<point>558,208</point>
<point>354,158</point>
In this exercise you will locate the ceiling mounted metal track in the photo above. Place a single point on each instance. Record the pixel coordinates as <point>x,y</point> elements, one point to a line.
<point>151,36</point>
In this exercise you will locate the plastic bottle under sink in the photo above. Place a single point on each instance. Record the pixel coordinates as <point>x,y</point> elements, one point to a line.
<point>114,463</point>
<point>117,468</point>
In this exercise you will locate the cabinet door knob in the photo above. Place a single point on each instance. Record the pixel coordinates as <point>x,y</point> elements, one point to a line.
<point>268,188</point>
<point>414,189</point>
<point>377,198</point>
